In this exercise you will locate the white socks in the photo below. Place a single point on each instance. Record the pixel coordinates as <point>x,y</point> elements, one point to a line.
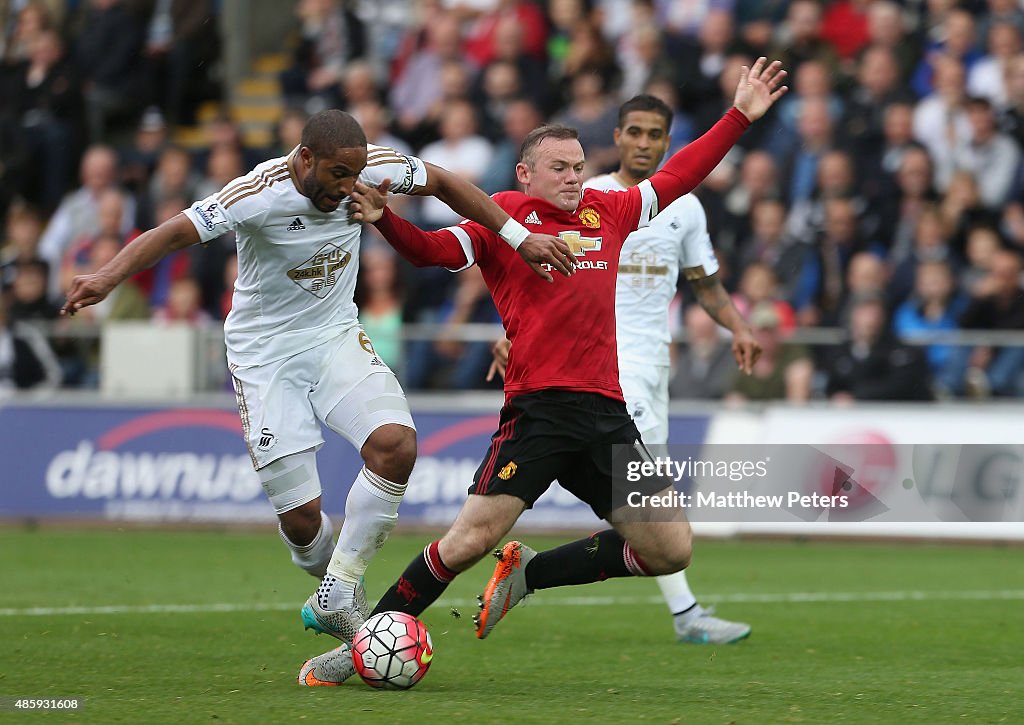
<point>371,512</point>
<point>677,592</point>
<point>314,556</point>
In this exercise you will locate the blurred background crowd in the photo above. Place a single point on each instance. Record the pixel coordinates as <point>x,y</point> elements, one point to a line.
<point>870,227</point>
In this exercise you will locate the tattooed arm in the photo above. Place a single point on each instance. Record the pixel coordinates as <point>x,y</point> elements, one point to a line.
<point>711,295</point>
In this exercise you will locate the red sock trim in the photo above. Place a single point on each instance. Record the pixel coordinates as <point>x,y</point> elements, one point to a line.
<point>634,563</point>
<point>432,556</point>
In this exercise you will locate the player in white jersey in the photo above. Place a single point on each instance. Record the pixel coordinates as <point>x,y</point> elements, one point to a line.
<point>652,258</point>
<point>297,355</point>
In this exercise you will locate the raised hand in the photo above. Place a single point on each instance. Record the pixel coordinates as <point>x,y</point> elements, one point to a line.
<point>539,249</point>
<point>760,86</point>
<point>366,203</point>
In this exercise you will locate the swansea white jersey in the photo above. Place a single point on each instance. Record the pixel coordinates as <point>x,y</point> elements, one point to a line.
<point>649,266</point>
<point>297,265</point>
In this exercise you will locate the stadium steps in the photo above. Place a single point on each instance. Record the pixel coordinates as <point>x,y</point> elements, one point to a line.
<point>256,102</point>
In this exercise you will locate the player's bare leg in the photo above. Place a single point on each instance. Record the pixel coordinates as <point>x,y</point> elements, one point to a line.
<point>339,607</point>
<point>632,548</point>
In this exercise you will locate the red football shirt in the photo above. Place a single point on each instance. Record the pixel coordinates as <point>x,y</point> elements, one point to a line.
<point>563,334</point>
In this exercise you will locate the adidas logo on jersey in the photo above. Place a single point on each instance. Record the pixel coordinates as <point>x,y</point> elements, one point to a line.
<point>296,226</point>
<point>532,218</point>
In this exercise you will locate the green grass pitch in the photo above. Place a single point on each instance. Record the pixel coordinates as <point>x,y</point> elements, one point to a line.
<point>843,633</point>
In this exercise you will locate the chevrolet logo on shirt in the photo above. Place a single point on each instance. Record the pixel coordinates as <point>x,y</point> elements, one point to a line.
<point>579,244</point>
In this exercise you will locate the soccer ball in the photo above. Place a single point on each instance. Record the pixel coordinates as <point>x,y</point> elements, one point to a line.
<point>392,650</point>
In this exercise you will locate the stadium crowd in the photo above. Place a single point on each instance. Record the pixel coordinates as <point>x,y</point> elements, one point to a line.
<point>884,195</point>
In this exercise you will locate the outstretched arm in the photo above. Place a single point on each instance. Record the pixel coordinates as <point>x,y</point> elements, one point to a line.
<point>758,89</point>
<point>470,202</point>
<point>152,246</point>
<point>711,295</point>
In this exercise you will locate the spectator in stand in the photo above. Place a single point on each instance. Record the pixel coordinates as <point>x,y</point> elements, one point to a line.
<point>331,36</point>
<point>499,85</point>
<point>878,166</point>
<point>379,297</point>
<point>769,245</point>
<point>589,52</point>
<point>704,364</point>
<point>20,25</point>
<point>222,165</point>
<point>931,244</point>
<point>593,112</point>
<point>642,57</point>
<point>799,163</point>
<point>783,372</point>
<point>107,52</point>
<point>109,212</point>
<point>181,42</point>
<point>462,152</point>
<point>287,133</point>
<point>959,43</point>
<point>800,38</point>
<point>757,21</point>
<point>983,244</point>
<point>1001,11</point>
<point>481,41</point>
<point>962,210</point>
<point>731,215</point>
<point>173,177</point>
<point>45,99</point>
<point>819,295</point>
<point>987,79</point>
<point>997,304</point>
<point>230,277</point>
<point>991,156</point>
<point>26,360</point>
<point>878,87</point>
<point>29,300</point>
<point>867,275</point>
<point>375,119</point>
<point>759,287</point>
<point>835,178</point>
<point>887,28</point>
<point>20,244</point>
<point>702,59</point>
<point>846,26</point>
<point>1011,118</point>
<point>222,130</point>
<point>138,161</point>
<point>873,364</point>
<point>77,215</point>
<point>510,48</point>
<point>935,306</point>
<point>521,117</point>
<point>940,119</point>
<point>184,304</point>
<point>415,92</point>
<point>901,211</point>
<point>359,85</point>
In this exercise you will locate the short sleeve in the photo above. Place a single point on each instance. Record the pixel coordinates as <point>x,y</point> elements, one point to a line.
<point>212,218</point>
<point>407,173</point>
<point>474,240</point>
<point>636,206</point>
<point>691,221</point>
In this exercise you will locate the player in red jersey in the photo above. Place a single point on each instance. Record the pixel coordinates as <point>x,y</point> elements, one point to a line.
<point>564,409</point>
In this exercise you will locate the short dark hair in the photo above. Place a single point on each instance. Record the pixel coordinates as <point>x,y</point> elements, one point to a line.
<point>327,131</point>
<point>645,102</point>
<point>534,138</point>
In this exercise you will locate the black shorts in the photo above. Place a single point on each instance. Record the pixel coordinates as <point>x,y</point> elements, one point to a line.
<point>563,435</point>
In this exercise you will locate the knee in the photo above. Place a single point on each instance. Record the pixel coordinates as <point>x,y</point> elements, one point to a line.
<point>461,550</point>
<point>672,556</point>
<point>390,451</point>
<point>301,524</point>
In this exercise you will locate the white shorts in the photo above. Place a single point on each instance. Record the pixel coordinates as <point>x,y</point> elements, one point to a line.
<point>282,404</point>
<point>646,392</point>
